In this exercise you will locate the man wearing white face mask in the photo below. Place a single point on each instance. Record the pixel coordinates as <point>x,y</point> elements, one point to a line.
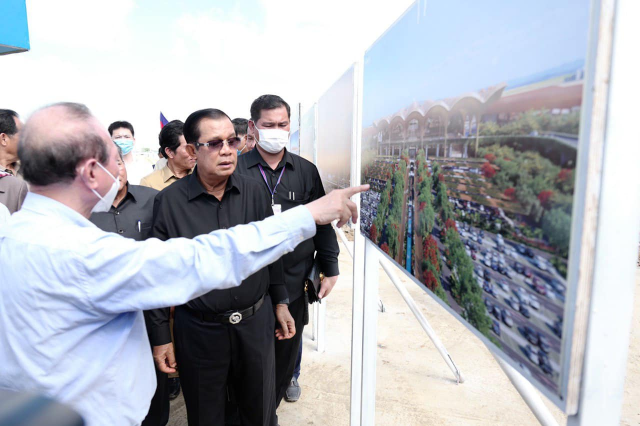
<point>290,181</point>
<point>72,326</point>
<point>123,135</point>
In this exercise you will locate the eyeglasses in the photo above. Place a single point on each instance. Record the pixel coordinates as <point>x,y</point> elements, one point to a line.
<point>216,145</point>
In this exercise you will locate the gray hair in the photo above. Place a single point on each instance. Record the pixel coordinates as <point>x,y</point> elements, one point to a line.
<point>49,151</point>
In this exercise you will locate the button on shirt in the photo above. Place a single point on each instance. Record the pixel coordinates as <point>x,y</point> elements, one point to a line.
<point>132,217</point>
<point>300,184</point>
<point>186,209</point>
<point>71,323</point>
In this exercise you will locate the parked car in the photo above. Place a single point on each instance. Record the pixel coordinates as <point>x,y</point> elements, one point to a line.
<point>514,303</point>
<point>473,255</point>
<point>533,354</point>
<point>497,312</point>
<point>487,274</point>
<point>534,302</point>
<point>481,233</point>
<point>529,252</point>
<point>539,287</point>
<point>479,271</point>
<point>557,286</point>
<point>506,318</point>
<point>524,311</point>
<point>518,268</point>
<point>528,273</point>
<point>487,260</point>
<point>499,240</point>
<point>507,272</point>
<point>557,328</point>
<point>530,334</point>
<point>495,327</point>
<point>494,266</point>
<point>489,304</point>
<point>503,285</point>
<point>543,343</point>
<point>501,249</point>
<point>545,365</point>
<point>522,249</point>
<point>480,240</point>
<point>489,289</point>
<point>540,262</point>
<point>522,295</point>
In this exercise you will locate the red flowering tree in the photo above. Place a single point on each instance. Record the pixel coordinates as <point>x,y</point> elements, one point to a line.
<point>510,193</point>
<point>430,280</point>
<point>385,247</point>
<point>421,206</point>
<point>431,252</point>
<point>450,223</point>
<point>564,175</point>
<point>490,158</point>
<point>545,198</point>
<point>373,233</point>
<point>440,177</point>
<point>488,171</point>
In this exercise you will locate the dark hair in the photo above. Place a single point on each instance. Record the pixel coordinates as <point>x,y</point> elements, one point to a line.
<point>7,122</point>
<point>267,102</point>
<point>170,136</point>
<point>121,125</point>
<point>241,125</point>
<point>192,125</point>
<point>46,160</point>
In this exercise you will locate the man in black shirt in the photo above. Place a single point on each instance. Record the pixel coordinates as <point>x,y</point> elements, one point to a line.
<point>289,181</point>
<point>130,216</point>
<point>226,336</point>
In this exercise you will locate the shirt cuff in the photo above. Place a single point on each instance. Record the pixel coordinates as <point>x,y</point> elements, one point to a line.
<point>301,221</point>
<point>279,294</point>
<point>329,268</point>
<point>160,335</point>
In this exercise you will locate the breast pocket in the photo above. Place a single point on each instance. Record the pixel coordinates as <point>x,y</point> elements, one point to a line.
<point>293,199</point>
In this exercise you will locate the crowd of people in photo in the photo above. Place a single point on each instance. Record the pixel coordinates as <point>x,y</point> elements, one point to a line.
<point>198,263</point>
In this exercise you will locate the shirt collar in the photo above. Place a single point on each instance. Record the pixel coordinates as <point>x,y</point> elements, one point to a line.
<point>45,206</point>
<point>167,174</point>
<point>195,188</point>
<point>254,158</point>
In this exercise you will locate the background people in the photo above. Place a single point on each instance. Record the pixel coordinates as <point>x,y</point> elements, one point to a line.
<point>123,135</point>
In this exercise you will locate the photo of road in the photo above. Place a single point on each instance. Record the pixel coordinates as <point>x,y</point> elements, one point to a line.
<point>472,184</point>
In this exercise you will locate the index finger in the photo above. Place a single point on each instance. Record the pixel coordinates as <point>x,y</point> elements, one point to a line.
<point>355,190</point>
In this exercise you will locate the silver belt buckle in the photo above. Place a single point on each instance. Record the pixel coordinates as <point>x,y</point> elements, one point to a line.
<point>235,318</point>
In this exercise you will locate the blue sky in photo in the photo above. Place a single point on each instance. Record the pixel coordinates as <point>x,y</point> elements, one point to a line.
<point>457,46</point>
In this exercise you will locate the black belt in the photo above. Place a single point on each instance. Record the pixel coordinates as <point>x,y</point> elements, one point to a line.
<point>231,317</point>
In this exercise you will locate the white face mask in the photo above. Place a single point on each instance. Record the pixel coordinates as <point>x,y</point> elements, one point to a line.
<point>105,203</point>
<point>272,140</point>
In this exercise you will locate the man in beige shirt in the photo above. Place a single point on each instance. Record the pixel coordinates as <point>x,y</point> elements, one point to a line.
<point>179,162</point>
<point>13,190</point>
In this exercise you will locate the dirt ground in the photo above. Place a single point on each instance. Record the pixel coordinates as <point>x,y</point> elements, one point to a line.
<point>413,385</point>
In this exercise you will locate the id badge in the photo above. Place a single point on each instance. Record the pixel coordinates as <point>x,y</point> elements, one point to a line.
<point>277,208</point>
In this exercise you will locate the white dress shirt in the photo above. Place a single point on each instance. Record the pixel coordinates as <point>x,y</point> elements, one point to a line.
<point>4,214</point>
<point>71,297</point>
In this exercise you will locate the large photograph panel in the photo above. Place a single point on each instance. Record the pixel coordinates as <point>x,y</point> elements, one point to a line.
<point>308,134</point>
<point>470,134</point>
<point>335,133</point>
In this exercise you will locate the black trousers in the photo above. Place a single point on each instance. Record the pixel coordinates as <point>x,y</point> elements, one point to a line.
<point>211,355</point>
<point>158,414</point>
<point>287,350</point>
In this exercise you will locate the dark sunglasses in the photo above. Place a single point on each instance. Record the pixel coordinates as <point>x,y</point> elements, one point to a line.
<point>216,145</point>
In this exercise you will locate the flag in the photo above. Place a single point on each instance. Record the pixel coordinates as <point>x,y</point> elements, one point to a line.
<point>163,121</point>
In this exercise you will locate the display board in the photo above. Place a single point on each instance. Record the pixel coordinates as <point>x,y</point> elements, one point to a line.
<point>470,138</point>
<point>14,31</point>
<point>308,134</point>
<point>335,133</point>
<point>294,142</point>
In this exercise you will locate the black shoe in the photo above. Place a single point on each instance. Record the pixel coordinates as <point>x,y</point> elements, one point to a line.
<point>293,392</point>
<point>174,388</point>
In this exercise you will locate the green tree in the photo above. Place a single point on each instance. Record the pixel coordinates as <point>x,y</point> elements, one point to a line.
<point>556,227</point>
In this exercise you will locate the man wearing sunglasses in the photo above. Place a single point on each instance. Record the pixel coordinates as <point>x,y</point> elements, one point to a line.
<point>225,336</point>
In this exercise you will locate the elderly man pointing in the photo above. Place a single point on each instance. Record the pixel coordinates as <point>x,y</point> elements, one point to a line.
<point>71,295</point>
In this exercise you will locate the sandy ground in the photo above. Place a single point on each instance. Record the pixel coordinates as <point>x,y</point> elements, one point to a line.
<point>414,385</point>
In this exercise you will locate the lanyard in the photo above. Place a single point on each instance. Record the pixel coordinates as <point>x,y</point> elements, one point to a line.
<point>264,176</point>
